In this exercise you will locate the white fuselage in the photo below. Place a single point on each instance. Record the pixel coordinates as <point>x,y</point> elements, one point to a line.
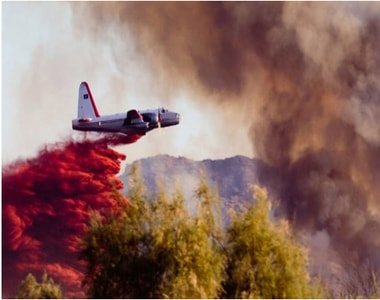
<point>131,122</point>
<point>117,122</point>
<point>110,123</point>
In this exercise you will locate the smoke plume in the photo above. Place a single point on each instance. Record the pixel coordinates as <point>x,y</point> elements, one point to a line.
<point>307,74</point>
<point>46,204</point>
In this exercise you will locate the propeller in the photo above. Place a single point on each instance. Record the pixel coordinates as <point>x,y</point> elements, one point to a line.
<point>159,118</point>
<point>159,122</point>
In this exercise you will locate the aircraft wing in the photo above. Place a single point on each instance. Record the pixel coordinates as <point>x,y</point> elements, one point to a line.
<point>133,116</point>
<point>135,120</point>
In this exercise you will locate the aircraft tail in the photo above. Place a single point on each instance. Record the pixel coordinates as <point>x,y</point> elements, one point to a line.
<point>86,103</point>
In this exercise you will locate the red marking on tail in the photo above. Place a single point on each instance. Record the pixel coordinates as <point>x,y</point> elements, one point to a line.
<point>92,100</point>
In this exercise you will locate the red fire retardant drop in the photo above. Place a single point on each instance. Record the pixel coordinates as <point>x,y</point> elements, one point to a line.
<point>46,204</point>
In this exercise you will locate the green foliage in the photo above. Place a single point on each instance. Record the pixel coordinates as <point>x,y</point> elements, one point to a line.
<point>31,289</point>
<point>209,209</point>
<point>264,259</point>
<point>117,251</point>
<point>154,249</point>
<point>192,262</point>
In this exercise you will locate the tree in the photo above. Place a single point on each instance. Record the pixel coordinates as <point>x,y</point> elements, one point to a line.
<point>153,248</point>
<point>193,261</point>
<point>264,260</point>
<point>209,209</point>
<point>31,289</point>
<point>117,250</point>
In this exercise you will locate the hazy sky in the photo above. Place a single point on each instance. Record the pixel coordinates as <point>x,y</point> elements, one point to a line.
<point>45,57</point>
<point>294,84</point>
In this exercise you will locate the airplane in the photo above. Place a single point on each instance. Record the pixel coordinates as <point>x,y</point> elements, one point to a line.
<point>130,123</point>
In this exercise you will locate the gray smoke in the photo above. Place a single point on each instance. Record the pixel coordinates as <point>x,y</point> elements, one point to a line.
<point>307,74</point>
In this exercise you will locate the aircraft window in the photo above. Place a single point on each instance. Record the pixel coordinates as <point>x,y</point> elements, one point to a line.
<point>85,96</point>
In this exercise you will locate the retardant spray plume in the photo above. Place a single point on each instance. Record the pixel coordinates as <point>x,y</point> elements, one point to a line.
<point>308,75</point>
<point>46,203</point>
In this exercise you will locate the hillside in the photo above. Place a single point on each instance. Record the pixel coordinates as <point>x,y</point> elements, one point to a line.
<point>232,176</point>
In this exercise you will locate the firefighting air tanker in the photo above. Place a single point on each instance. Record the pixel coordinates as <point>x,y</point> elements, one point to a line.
<point>132,122</point>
